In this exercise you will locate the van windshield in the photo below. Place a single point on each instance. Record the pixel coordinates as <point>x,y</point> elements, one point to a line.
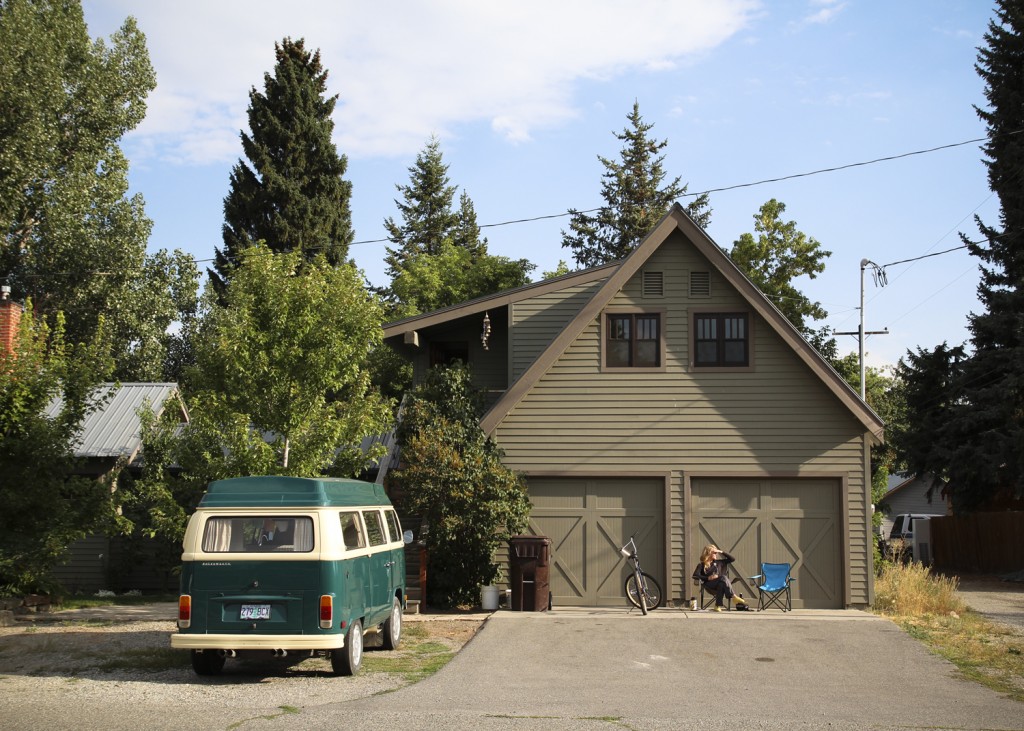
<point>897,527</point>
<point>258,534</point>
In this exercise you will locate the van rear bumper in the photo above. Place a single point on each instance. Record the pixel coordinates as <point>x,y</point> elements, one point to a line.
<point>257,642</point>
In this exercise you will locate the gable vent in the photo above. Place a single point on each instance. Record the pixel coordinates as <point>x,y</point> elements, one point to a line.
<point>700,284</point>
<point>653,284</point>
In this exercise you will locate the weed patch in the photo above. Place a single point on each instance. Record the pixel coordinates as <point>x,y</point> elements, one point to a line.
<point>927,608</point>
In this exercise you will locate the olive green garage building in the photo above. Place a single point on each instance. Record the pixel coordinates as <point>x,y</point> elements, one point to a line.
<point>664,396</point>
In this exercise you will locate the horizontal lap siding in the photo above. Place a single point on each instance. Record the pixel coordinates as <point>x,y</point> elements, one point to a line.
<point>536,322</point>
<point>778,418</point>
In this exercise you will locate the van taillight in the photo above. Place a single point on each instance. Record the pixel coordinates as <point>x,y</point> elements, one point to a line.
<point>184,611</point>
<point>326,611</point>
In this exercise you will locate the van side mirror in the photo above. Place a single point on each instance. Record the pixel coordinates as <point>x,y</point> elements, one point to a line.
<point>407,537</point>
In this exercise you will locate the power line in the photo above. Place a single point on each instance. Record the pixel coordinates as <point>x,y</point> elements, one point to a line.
<point>736,186</point>
<point>845,167</point>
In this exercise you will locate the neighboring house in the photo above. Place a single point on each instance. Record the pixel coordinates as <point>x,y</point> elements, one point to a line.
<point>911,495</point>
<point>111,439</point>
<point>664,396</point>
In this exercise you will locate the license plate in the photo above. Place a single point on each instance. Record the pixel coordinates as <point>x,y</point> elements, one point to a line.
<point>255,611</point>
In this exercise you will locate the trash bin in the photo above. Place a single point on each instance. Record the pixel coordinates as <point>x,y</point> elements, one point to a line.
<point>529,558</point>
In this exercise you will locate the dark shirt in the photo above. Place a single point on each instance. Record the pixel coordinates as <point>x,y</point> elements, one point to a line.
<point>717,568</point>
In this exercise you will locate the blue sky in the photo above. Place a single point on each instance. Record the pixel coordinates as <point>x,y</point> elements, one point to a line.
<point>524,97</point>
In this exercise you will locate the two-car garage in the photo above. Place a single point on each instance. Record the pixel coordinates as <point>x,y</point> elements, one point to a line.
<point>794,520</point>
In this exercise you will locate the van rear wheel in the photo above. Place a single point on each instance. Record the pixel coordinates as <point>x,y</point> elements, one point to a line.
<point>393,626</point>
<point>348,659</point>
<point>207,663</point>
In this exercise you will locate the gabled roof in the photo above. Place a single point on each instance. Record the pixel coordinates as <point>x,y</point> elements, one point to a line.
<point>927,480</point>
<point>114,429</point>
<point>615,276</point>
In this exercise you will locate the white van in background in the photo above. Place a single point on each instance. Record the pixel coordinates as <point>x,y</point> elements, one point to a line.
<point>903,530</point>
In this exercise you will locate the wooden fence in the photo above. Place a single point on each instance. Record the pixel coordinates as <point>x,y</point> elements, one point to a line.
<point>980,543</point>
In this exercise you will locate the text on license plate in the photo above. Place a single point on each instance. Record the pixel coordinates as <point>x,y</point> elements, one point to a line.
<point>255,611</point>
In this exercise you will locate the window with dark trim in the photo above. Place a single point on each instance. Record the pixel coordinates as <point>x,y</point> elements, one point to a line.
<point>721,339</point>
<point>633,341</point>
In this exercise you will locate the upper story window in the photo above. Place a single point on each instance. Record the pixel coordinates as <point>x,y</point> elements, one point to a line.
<point>633,341</point>
<point>721,339</point>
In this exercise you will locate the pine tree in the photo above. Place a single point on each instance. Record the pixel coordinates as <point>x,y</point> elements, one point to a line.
<point>440,258</point>
<point>635,200</point>
<point>426,210</point>
<point>988,426</point>
<point>291,194</point>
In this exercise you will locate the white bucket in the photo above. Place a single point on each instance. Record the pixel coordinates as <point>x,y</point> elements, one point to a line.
<point>489,598</point>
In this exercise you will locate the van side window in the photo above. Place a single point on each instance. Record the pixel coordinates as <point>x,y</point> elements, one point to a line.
<point>258,534</point>
<point>394,529</point>
<point>374,527</point>
<point>352,531</point>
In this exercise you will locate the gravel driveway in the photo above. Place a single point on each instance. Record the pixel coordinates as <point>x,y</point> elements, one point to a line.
<point>997,599</point>
<point>114,668</point>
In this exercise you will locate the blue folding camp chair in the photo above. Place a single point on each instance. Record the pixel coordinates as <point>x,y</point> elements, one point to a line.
<point>773,587</point>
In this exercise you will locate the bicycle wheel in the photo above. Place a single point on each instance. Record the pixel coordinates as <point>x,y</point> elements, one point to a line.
<point>651,591</point>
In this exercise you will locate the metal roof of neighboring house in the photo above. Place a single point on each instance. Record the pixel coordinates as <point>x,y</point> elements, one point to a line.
<point>113,429</point>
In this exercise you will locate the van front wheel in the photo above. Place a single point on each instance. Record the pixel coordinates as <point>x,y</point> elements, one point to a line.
<point>349,658</point>
<point>393,626</point>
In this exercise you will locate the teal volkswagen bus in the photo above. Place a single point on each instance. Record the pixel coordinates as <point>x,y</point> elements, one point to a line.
<point>290,566</point>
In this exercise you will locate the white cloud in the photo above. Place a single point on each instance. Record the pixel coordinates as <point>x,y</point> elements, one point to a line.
<point>403,71</point>
<point>826,12</point>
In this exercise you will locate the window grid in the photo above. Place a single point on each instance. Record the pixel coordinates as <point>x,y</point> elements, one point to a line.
<point>721,339</point>
<point>633,341</point>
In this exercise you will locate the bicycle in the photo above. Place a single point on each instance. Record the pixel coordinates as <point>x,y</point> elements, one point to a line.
<point>642,589</point>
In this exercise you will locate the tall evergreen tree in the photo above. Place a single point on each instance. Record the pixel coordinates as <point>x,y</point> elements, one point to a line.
<point>291,194</point>
<point>440,258</point>
<point>988,428</point>
<point>426,210</point>
<point>924,440</point>
<point>636,197</point>
<point>71,238</point>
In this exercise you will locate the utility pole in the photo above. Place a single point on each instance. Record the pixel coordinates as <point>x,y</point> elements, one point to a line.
<point>880,279</point>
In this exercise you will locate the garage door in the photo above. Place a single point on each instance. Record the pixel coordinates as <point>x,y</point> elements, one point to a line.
<point>587,521</point>
<point>792,521</point>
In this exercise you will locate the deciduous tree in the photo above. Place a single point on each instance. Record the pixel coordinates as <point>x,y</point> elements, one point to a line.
<point>453,477</point>
<point>776,254</point>
<point>46,507</point>
<point>279,385</point>
<point>72,239</point>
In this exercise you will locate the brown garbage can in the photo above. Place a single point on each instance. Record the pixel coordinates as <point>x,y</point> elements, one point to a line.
<point>529,562</point>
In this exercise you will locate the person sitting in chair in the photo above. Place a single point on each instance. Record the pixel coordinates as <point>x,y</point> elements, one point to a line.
<point>711,573</point>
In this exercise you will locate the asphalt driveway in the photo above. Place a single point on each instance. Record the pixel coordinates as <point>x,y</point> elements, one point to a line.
<point>605,669</point>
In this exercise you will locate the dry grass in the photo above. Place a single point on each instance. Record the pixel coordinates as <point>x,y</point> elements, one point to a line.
<point>928,608</point>
<point>912,590</point>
